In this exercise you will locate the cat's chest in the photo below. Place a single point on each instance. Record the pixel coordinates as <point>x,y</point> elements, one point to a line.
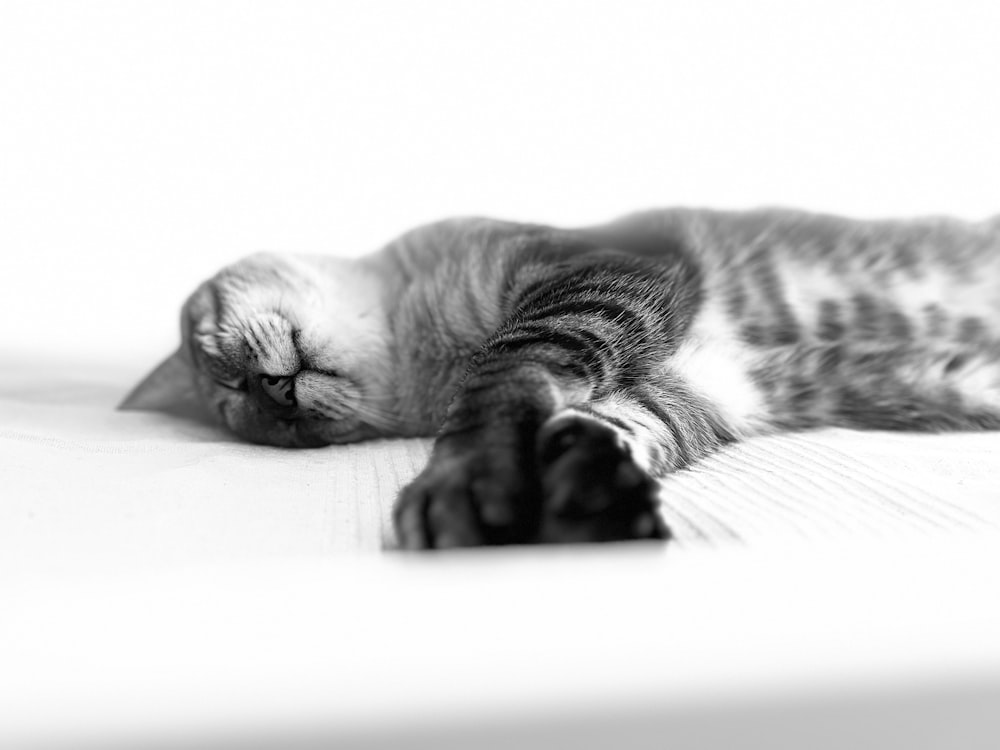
<point>717,364</point>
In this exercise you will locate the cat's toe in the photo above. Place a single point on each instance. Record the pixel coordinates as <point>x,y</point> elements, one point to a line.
<point>593,491</point>
<point>435,517</point>
<point>463,502</point>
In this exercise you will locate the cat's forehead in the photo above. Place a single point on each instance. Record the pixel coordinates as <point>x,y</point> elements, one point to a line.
<point>277,282</point>
<point>343,323</point>
<point>333,305</point>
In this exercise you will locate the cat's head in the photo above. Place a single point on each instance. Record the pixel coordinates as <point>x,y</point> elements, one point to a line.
<point>282,350</point>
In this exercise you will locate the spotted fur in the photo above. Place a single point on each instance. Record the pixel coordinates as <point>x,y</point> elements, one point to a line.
<point>564,371</point>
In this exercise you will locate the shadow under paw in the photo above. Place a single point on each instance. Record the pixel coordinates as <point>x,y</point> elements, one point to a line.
<point>592,489</point>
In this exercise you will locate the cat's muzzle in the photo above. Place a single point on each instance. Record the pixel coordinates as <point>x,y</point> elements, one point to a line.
<point>276,394</point>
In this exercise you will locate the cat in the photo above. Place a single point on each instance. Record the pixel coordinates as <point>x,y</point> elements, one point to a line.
<point>564,372</point>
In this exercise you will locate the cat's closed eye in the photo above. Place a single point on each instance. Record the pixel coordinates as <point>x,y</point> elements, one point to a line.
<point>238,383</point>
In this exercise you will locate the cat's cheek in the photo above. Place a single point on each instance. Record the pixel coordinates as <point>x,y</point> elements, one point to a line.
<point>231,416</point>
<point>242,420</point>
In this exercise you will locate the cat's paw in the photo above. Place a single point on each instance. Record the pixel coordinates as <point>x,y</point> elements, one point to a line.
<point>466,500</point>
<point>592,489</point>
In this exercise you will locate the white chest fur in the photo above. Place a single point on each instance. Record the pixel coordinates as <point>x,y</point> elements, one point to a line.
<point>717,365</point>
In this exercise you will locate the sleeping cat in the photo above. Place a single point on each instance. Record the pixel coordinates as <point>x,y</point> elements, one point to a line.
<point>564,372</point>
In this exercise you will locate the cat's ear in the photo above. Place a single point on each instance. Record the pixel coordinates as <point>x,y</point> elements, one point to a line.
<point>169,388</point>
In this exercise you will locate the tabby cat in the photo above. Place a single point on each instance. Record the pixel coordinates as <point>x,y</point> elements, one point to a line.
<point>564,371</point>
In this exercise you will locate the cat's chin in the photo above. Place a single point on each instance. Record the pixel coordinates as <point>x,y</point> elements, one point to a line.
<point>250,425</point>
<point>357,434</point>
<point>245,417</point>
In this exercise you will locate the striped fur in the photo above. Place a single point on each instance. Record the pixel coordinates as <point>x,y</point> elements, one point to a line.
<point>563,371</point>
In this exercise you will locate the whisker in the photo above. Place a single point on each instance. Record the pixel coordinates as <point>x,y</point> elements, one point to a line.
<point>377,416</point>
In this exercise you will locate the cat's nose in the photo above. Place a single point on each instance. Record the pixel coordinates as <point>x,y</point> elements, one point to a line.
<point>281,390</point>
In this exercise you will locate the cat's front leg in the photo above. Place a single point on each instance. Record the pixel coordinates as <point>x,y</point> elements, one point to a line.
<point>466,498</point>
<point>574,477</point>
<point>526,454</point>
<point>525,459</point>
<point>481,486</point>
<point>596,481</point>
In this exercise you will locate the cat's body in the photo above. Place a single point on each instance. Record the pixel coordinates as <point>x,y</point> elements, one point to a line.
<point>563,371</point>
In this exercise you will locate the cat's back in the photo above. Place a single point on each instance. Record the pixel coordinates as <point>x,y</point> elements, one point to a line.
<point>724,238</point>
<point>797,308</point>
<point>800,259</point>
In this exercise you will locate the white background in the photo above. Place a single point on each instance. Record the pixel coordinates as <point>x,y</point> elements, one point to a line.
<point>142,145</point>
